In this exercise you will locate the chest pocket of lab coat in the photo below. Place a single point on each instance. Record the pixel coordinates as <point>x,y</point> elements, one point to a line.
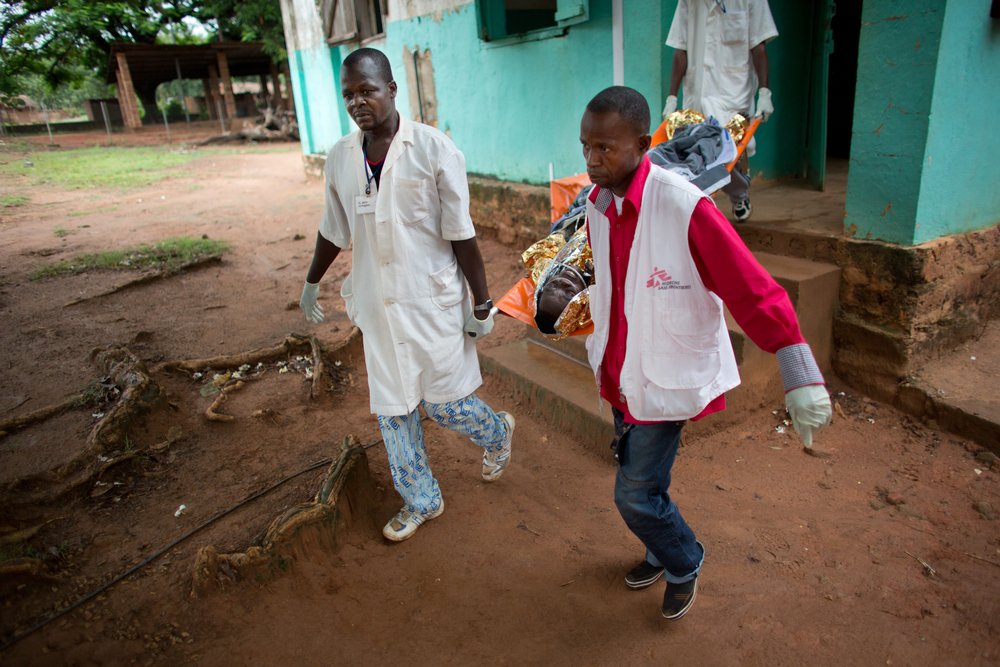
<point>735,31</point>
<point>412,199</point>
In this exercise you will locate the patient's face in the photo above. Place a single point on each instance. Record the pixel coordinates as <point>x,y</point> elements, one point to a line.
<point>564,284</point>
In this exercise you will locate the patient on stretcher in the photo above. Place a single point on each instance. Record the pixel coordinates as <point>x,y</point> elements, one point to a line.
<point>562,271</point>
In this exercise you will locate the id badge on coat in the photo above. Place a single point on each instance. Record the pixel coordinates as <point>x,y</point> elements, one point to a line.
<point>364,204</point>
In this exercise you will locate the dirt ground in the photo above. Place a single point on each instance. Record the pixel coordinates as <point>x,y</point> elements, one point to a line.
<point>885,553</point>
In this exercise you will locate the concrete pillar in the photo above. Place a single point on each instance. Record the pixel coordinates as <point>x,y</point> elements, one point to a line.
<point>227,85</point>
<point>288,99</point>
<point>213,82</point>
<point>126,94</point>
<point>922,150</point>
<point>264,95</point>
<point>206,85</point>
<point>278,99</point>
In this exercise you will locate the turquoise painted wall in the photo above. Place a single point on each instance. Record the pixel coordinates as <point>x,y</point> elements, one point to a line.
<point>317,98</point>
<point>958,184</point>
<point>645,30</point>
<point>514,108</point>
<point>897,61</point>
<point>923,147</point>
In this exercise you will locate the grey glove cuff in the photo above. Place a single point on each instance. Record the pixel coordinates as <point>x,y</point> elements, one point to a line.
<point>798,366</point>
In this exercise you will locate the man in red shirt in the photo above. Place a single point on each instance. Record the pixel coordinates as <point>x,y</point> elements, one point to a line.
<point>665,261</point>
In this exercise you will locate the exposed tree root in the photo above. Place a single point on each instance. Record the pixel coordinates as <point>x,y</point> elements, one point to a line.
<point>264,354</point>
<point>345,498</point>
<point>23,535</point>
<point>25,566</point>
<point>349,349</point>
<point>106,443</point>
<point>318,368</point>
<point>149,278</point>
<point>212,413</point>
<point>17,423</point>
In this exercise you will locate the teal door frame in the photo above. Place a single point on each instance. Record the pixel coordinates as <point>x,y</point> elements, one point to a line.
<point>819,79</point>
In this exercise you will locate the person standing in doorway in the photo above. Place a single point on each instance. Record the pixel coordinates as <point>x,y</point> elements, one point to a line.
<point>720,57</point>
<point>397,192</point>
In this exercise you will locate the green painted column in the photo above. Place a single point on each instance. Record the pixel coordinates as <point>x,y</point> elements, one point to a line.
<point>958,182</point>
<point>897,63</point>
<point>923,151</point>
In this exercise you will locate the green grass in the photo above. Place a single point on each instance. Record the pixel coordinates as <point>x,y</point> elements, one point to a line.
<point>109,166</point>
<point>7,201</point>
<point>61,231</point>
<point>165,255</point>
<point>121,168</point>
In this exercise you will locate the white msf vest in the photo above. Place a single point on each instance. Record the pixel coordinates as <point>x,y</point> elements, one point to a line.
<point>678,356</point>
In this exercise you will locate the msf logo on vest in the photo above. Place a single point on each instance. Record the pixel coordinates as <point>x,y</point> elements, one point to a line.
<point>659,279</point>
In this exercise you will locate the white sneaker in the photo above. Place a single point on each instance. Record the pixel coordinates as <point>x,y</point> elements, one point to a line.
<point>494,464</point>
<point>742,211</point>
<point>405,523</point>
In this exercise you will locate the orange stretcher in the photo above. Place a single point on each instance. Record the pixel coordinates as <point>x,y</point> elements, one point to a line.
<point>518,302</point>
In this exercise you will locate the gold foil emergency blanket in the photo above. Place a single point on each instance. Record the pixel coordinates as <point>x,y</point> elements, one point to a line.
<point>678,119</point>
<point>576,316</point>
<point>537,257</point>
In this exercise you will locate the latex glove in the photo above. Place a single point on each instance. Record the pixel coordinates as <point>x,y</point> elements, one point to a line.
<point>308,303</point>
<point>810,410</point>
<point>670,106</point>
<point>477,328</point>
<point>764,105</point>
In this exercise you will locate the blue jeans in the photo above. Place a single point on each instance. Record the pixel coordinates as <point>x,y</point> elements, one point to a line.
<point>645,454</point>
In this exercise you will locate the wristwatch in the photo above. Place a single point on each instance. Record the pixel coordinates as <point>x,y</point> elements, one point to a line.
<point>484,307</point>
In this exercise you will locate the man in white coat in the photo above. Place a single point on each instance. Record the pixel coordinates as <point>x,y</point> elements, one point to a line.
<point>721,58</point>
<point>396,191</point>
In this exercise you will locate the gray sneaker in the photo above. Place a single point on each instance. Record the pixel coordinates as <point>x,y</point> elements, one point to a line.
<point>496,462</point>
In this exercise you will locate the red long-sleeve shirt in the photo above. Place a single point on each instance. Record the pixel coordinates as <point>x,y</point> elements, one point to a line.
<point>726,266</point>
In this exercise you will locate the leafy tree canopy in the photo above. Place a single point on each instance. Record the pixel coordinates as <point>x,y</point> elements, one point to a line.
<point>59,43</point>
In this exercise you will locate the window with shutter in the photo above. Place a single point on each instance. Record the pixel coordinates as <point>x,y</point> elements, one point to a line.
<point>514,20</point>
<point>351,20</point>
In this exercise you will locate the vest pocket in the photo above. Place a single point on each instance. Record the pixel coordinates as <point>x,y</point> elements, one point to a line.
<point>446,288</point>
<point>412,199</point>
<point>682,351</point>
<point>687,370</point>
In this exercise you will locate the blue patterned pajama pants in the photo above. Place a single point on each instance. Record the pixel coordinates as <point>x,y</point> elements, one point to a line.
<point>404,443</point>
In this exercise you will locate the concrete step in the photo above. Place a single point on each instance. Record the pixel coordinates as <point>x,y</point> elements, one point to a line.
<point>558,388</point>
<point>554,377</point>
<point>814,289</point>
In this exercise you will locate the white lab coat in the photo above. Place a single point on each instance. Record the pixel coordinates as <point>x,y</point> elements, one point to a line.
<point>406,291</point>
<point>718,34</point>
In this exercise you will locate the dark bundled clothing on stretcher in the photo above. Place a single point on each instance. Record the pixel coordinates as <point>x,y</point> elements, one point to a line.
<point>699,153</point>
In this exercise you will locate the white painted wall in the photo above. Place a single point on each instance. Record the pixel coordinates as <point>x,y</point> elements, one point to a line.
<point>400,10</point>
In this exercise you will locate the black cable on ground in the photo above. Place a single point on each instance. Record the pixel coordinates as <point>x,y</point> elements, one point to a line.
<point>135,568</point>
